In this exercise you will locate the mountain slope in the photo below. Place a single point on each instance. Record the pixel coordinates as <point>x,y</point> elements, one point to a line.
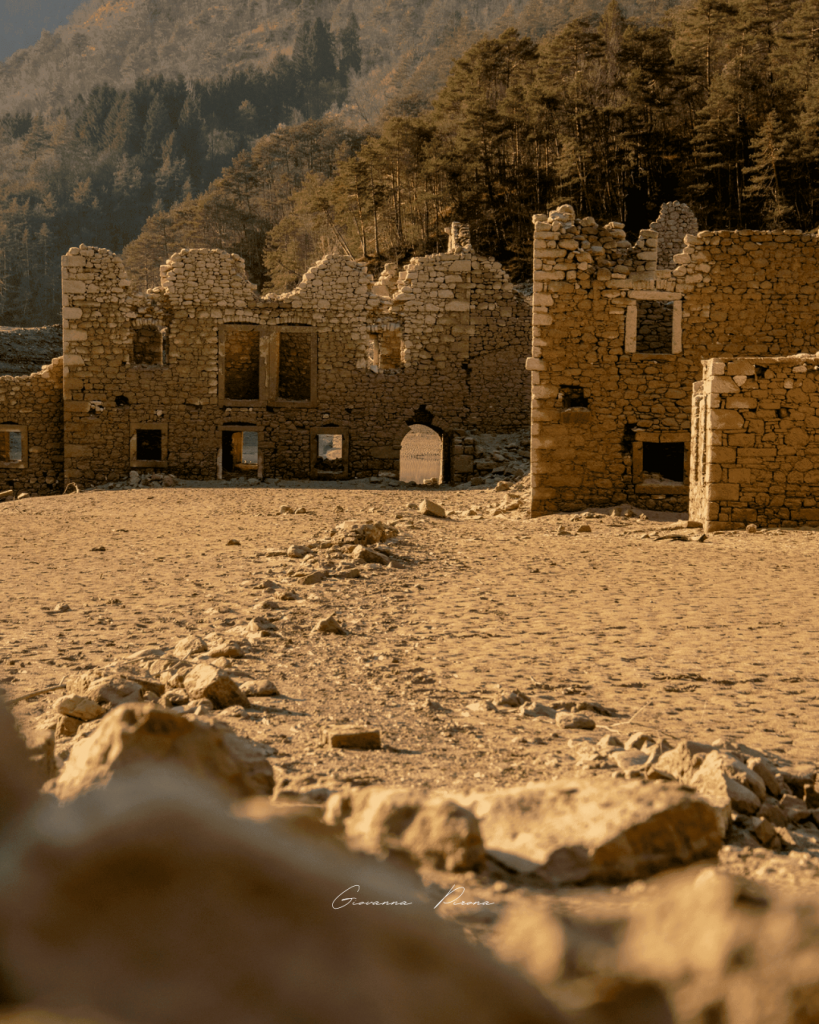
<point>409,42</point>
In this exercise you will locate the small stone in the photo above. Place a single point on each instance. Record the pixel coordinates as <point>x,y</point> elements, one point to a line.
<point>353,737</point>
<point>536,711</point>
<point>348,574</point>
<point>567,720</point>
<point>771,810</point>
<point>481,705</point>
<point>260,688</point>
<point>226,650</point>
<point>562,531</point>
<point>764,830</point>
<point>133,478</point>
<point>329,625</point>
<point>432,508</point>
<point>297,551</point>
<point>319,576</point>
<point>61,608</point>
<point>513,699</point>
<point>98,549</point>
<point>609,742</point>
<point>362,553</point>
<point>794,808</point>
<point>502,485</point>
<point>189,646</point>
<point>205,681</point>
<point>288,595</point>
<point>75,706</point>
<point>234,543</point>
<point>750,528</point>
<point>584,528</point>
<point>638,740</point>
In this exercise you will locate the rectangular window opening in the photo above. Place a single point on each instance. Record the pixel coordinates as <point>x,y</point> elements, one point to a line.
<point>149,446</point>
<point>11,446</point>
<point>386,351</point>
<point>242,351</point>
<point>330,452</point>
<point>664,461</point>
<point>295,348</point>
<point>147,346</point>
<point>655,324</point>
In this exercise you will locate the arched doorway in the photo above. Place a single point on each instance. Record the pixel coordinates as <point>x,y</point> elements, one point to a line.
<point>422,455</point>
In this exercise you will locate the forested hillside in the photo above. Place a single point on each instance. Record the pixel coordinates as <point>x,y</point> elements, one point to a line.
<point>716,103</point>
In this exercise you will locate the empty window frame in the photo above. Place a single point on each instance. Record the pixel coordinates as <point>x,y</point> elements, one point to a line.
<point>295,365</point>
<point>149,445</point>
<point>386,351</point>
<point>243,357</point>
<point>13,446</point>
<point>148,346</point>
<point>653,324</point>
<point>240,450</point>
<point>660,462</point>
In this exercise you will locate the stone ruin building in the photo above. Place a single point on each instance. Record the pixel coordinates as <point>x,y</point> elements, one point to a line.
<point>619,340</point>
<point>204,378</point>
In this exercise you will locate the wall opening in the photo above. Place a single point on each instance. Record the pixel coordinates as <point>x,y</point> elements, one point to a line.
<point>663,460</point>
<point>147,346</point>
<point>655,326</point>
<point>240,451</point>
<point>574,397</point>
<point>329,453</point>
<point>295,351</point>
<point>11,446</point>
<point>242,349</point>
<point>149,446</point>
<point>422,455</point>
<point>386,351</point>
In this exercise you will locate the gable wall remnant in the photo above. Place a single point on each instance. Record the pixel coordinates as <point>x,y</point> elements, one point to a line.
<point>454,334</point>
<point>31,427</point>
<point>732,294</point>
<point>755,443</point>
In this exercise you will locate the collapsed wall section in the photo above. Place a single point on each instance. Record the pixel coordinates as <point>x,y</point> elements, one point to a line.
<point>616,349</point>
<point>31,431</point>
<point>755,443</point>
<point>202,377</point>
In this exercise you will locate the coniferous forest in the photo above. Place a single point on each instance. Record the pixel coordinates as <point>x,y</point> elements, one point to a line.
<point>711,102</point>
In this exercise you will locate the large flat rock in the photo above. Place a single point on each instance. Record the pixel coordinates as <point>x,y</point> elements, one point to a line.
<point>595,830</point>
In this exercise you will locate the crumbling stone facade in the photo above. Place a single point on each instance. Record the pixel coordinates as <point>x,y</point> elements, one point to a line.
<point>675,221</point>
<point>31,431</point>
<point>755,443</point>
<point>204,378</point>
<point>618,342</point>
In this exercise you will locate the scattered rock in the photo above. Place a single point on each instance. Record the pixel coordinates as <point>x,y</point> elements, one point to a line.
<point>41,754</point>
<point>609,742</point>
<point>513,699</point>
<point>329,625</point>
<point>795,809</point>
<point>766,771</point>
<point>61,608</point>
<point>226,650</point>
<point>348,574</point>
<point>75,706</point>
<point>104,686</point>
<point>353,737</point>
<point>233,543</point>
<point>638,740</point>
<point>596,830</point>
<point>364,554</point>
<point>297,551</point>
<point>318,576</point>
<point>536,711</point>
<point>205,681</point>
<point>118,870</point>
<point>262,688</point>
<point>567,720</point>
<point>432,508</point>
<point>584,528</point>
<point>722,791</point>
<point>189,646</point>
<point>137,733</point>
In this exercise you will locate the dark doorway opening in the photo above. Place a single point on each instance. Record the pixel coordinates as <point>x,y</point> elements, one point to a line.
<point>665,459</point>
<point>149,446</point>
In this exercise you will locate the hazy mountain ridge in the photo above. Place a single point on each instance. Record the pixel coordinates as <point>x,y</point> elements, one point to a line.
<point>410,42</point>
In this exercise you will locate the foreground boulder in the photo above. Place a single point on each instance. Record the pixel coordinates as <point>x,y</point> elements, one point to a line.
<point>148,902</point>
<point>18,779</point>
<point>606,830</point>
<point>431,829</point>
<point>134,734</point>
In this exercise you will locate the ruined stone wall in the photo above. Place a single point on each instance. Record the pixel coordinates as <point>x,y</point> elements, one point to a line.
<point>600,405</point>
<point>441,343</point>
<point>675,221</point>
<point>32,409</point>
<point>755,443</point>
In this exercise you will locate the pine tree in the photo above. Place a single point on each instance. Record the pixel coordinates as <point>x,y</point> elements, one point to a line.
<point>350,44</point>
<point>191,141</point>
<point>123,132</point>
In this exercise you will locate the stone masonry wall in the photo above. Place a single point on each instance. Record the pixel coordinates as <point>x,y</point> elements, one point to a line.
<point>600,406</point>
<point>755,443</point>
<point>462,332</point>
<point>675,221</point>
<point>34,403</point>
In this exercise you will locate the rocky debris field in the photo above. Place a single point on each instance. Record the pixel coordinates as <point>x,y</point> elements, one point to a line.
<point>24,350</point>
<point>590,753</point>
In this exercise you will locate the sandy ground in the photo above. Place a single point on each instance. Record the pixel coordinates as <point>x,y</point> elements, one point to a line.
<point>680,639</point>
